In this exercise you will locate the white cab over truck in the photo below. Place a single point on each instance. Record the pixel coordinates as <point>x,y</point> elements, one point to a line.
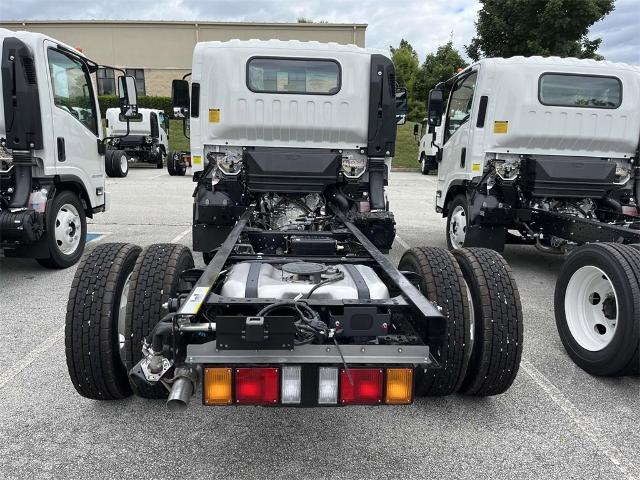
<point>545,151</point>
<point>144,138</point>
<point>530,142</point>
<point>51,148</point>
<point>291,144</point>
<point>428,137</point>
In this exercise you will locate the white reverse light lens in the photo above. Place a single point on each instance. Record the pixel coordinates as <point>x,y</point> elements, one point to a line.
<point>328,386</point>
<point>291,385</point>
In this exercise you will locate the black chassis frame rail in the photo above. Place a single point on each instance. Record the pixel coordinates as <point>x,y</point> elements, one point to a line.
<point>410,297</point>
<point>582,230</point>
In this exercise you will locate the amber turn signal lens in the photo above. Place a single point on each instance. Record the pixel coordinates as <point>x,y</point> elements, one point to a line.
<point>217,386</point>
<point>399,386</point>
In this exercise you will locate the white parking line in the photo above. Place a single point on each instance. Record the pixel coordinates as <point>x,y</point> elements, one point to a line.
<point>177,238</point>
<point>30,357</point>
<point>157,176</point>
<point>586,425</point>
<point>402,243</point>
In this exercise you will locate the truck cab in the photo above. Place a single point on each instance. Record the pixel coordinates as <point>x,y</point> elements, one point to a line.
<point>147,137</point>
<point>52,172</point>
<point>529,141</point>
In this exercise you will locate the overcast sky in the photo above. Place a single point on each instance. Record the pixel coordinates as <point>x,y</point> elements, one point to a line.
<point>425,23</point>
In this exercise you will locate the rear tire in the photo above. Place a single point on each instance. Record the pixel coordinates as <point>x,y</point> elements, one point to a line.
<point>108,168</point>
<point>154,280</point>
<point>498,325</point>
<point>171,168</point>
<point>442,282</point>
<point>158,157</point>
<point>597,307</point>
<point>91,326</point>
<point>119,163</point>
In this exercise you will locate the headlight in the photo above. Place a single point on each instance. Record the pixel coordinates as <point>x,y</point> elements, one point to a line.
<point>353,166</point>
<point>507,169</point>
<point>623,173</point>
<point>148,139</point>
<point>116,141</point>
<point>230,164</point>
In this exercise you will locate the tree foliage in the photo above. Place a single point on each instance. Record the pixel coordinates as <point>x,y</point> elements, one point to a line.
<point>419,79</point>
<point>537,27</point>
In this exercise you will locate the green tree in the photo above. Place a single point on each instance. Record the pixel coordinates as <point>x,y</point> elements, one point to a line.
<point>405,60</point>
<point>537,27</point>
<point>437,67</point>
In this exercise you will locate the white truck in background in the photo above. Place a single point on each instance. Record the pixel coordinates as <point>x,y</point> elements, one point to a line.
<point>51,148</point>
<point>427,149</point>
<point>144,138</point>
<point>545,151</point>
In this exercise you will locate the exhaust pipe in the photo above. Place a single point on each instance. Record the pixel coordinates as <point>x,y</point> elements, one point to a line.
<point>183,388</point>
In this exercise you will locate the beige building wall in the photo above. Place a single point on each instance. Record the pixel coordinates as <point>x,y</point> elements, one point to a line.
<point>164,49</point>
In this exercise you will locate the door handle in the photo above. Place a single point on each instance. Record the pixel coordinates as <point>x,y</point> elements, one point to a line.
<point>62,155</point>
<point>463,157</point>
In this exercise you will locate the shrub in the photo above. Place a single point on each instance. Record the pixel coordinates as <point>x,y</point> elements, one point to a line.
<point>158,103</point>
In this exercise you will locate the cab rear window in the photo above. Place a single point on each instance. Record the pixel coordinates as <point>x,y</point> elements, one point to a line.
<point>293,75</point>
<point>589,91</point>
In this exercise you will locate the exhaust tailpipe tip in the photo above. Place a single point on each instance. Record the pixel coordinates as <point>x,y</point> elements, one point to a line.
<point>180,395</point>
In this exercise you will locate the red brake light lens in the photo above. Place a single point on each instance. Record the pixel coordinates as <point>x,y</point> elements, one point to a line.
<point>366,388</point>
<point>257,386</point>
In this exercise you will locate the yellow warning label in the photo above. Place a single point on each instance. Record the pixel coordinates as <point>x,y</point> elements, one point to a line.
<point>475,167</point>
<point>196,160</point>
<point>214,115</point>
<point>498,126</point>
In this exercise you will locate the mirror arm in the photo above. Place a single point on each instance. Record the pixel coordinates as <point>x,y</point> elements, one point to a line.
<point>184,128</point>
<point>118,136</point>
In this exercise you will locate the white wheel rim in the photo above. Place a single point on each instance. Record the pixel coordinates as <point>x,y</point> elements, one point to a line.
<point>458,227</point>
<point>124,163</point>
<point>122,314</point>
<point>422,165</point>
<point>68,229</point>
<point>591,308</point>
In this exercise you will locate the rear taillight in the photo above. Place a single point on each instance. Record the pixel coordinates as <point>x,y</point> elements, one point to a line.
<point>366,388</point>
<point>257,386</point>
<point>217,386</point>
<point>399,389</point>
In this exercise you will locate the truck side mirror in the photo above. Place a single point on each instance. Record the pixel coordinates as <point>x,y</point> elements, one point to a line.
<point>180,98</point>
<point>128,96</point>
<point>416,130</point>
<point>402,106</point>
<point>435,107</point>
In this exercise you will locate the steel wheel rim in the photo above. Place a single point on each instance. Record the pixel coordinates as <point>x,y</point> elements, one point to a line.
<point>591,308</point>
<point>68,229</point>
<point>458,227</point>
<point>122,315</point>
<point>124,163</point>
<point>423,163</point>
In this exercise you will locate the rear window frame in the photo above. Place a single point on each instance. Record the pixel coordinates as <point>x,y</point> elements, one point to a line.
<point>566,74</point>
<point>312,59</point>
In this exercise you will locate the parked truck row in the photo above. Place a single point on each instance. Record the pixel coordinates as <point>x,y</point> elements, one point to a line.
<point>298,303</point>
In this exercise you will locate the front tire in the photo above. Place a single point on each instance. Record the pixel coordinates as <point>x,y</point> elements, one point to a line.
<point>498,325</point>
<point>423,165</point>
<point>154,280</point>
<point>66,231</point>
<point>440,280</point>
<point>94,314</point>
<point>597,308</point>
<point>457,222</point>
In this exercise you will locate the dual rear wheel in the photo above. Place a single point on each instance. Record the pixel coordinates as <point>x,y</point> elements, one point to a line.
<point>477,293</point>
<point>116,299</point>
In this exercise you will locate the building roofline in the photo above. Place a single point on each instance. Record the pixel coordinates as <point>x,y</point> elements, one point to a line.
<point>182,22</point>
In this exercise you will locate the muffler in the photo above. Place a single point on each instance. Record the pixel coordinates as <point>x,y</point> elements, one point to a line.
<point>184,385</point>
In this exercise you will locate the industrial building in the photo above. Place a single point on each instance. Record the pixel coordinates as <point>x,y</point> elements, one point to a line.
<point>156,52</point>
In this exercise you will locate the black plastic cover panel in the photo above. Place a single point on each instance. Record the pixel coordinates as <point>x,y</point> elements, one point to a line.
<point>291,170</point>
<point>568,177</point>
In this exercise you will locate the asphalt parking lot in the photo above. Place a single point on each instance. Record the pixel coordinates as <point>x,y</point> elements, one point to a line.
<point>555,422</point>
